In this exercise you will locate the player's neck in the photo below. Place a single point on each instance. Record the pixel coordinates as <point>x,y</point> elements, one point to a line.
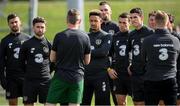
<point>71,26</point>
<point>161,27</point>
<point>39,37</point>
<point>139,27</point>
<point>15,32</point>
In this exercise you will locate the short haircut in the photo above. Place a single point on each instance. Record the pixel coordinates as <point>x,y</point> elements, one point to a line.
<point>124,15</point>
<point>11,16</point>
<point>152,13</point>
<point>161,18</point>
<point>171,18</point>
<point>73,16</point>
<point>95,12</point>
<point>38,20</point>
<point>137,10</point>
<point>104,3</point>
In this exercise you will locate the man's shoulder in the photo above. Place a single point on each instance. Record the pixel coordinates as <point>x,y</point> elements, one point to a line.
<point>6,37</point>
<point>148,29</point>
<point>103,33</point>
<point>25,35</point>
<point>113,23</point>
<point>29,41</point>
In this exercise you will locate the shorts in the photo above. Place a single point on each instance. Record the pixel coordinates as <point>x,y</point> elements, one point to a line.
<point>34,89</point>
<point>178,82</point>
<point>61,91</point>
<point>165,90</point>
<point>99,86</point>
<point>137,88</point>
<point>14,88</point>
<point>122,85</point>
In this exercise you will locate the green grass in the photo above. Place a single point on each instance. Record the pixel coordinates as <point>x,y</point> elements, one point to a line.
<point>3,101</point>
<point>55,12</point>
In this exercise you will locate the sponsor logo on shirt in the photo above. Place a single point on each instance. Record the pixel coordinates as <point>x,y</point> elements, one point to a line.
<point>117,42</point>
<point>10,45</point>
<point>32,50</point>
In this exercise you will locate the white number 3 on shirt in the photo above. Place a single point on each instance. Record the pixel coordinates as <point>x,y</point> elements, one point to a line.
<point>164,54</point>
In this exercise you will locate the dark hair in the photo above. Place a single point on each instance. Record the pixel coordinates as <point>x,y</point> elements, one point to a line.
<point>95,12</point>
<point>171,18</point>
<point>38,20</point>
<point>103,3</point>
<point>161,18</point>
<point>124,15</point>
<point>73,16</point>
<point>11,16</point>
<point>152,13</point>
<point>137,10</point>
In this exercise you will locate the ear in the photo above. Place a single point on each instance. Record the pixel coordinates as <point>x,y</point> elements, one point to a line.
<point>79,21</point>
<point>101,20</point>
<point>142,17</point>
<point>168,24</point>
<point>110,11</point>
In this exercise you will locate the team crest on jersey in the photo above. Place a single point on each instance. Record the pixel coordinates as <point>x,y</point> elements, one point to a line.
<point>98,41</point>
<point>45,49</point>
<point>32,50</point>
<point>117,42</point>
<point>10,45</point>
<point>111,32</point>
<point>142,39</point>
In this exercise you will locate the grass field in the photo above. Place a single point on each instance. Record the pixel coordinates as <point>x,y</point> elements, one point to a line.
<point>55,14</point>
<point>4,102</point>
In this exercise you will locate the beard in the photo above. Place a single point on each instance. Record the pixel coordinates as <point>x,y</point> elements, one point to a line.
<point>105,18</point>
<point>15,29</point>
<point>39,34</point>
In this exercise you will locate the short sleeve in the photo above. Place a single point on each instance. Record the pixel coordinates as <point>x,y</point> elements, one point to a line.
<point>55,41</point>
<point>88,46</point>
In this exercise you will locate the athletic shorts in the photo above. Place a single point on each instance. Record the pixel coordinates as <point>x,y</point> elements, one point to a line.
<point>100,88</point>
<point>122,85</point>
<point>14,88</point>
<point>61,91</point>
<point>137,88</point>
<point>178,82</point>
<point>34,89</point>
<point>165,90</point>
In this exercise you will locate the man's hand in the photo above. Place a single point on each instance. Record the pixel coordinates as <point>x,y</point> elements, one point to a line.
<point>129,70</point>
<point>112,73</point>
<point>3,83</point>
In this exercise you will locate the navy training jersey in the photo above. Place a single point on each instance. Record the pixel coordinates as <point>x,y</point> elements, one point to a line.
<point>118,51</point>
<point>9,54</point>
<point>110,27</point>
<point>160,53</point>
<point>34,59</point>
<point>100,47</point>
<point>71,46</point>
<point>134,45</point>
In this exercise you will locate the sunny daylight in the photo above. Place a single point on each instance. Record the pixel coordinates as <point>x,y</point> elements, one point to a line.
<point>99,52</point>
